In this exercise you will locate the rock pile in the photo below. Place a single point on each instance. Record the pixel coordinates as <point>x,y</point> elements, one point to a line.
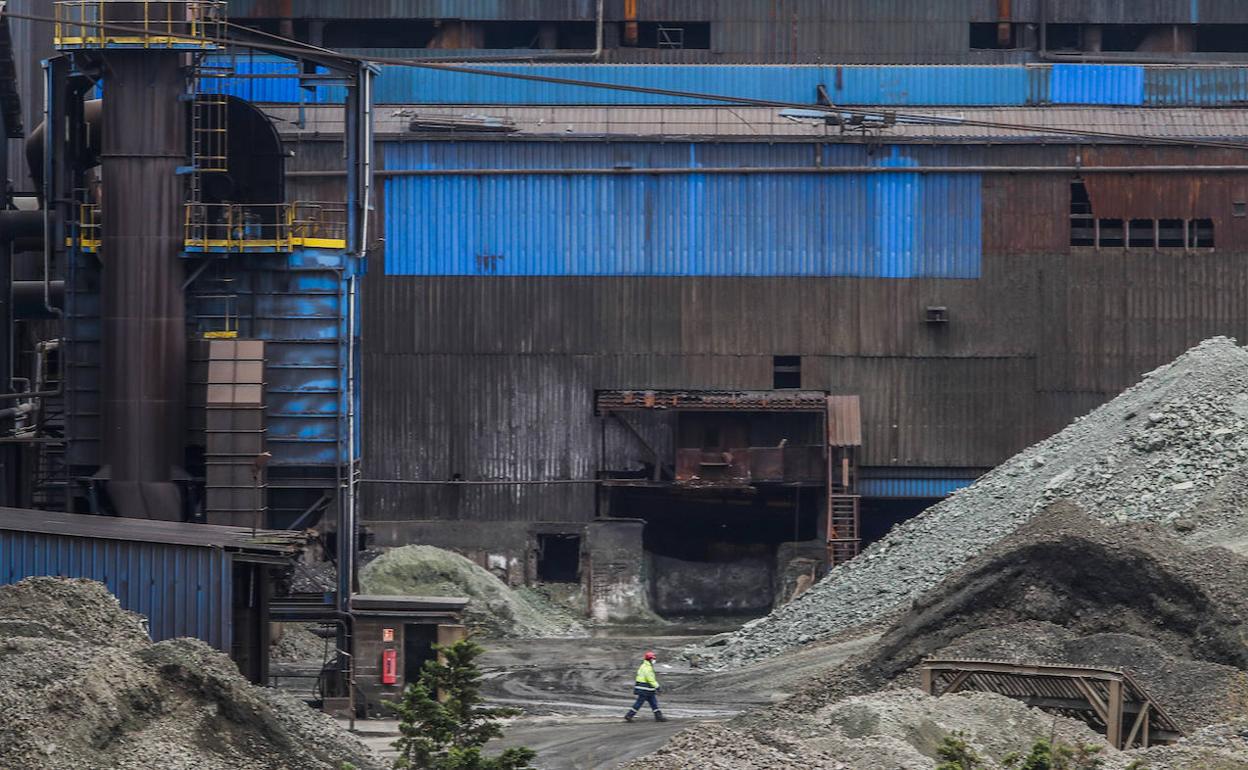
<point>493,608</point>
<point>1171,450</point>
<point>897,730</point>
<point>1066,589</point>
<point>84,688</point>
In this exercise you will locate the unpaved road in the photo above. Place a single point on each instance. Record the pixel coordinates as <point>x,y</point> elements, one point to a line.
<point>574,693</point>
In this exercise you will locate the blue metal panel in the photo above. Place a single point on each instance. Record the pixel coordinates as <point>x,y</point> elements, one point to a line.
<point>919,225</point>
<point>1195,86</point>
<point>883,85</point>
<point>1097,84</point>
<point>272,90</point>
<point>182,590</point>
<point>912,488</point>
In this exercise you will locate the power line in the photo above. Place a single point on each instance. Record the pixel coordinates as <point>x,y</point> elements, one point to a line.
<point>305,50</point>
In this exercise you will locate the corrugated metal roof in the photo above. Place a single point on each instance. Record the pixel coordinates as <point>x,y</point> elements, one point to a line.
<point>242,539</point>
<point>752,123</point>
<point>894,225</point>
<point>183,590</point>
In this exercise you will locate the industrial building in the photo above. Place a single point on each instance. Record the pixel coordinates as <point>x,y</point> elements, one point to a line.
<point>643,309</point>
<point>765,31</point>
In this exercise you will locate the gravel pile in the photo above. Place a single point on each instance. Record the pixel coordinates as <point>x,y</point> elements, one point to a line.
<point>1171,450</point>
<point>1068,589</point>
<point>493,609</point>
<point>84,688</point>
<point>894,730</point>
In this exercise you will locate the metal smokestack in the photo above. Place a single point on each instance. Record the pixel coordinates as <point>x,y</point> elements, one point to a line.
<point>143,363</point>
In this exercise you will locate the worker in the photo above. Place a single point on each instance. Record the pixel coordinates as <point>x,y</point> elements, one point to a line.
<point>646,688</point>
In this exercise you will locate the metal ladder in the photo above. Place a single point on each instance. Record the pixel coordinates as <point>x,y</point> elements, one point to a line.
<point>844,538</point>
<point>210,141</point>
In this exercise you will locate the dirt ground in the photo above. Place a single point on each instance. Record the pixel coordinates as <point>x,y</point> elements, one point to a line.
<point>575,691</point>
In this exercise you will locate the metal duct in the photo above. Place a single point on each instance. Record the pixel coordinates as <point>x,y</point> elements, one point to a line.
<point>143,377</point>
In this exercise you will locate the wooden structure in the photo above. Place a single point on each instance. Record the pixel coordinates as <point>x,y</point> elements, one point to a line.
<point>1110,701</point>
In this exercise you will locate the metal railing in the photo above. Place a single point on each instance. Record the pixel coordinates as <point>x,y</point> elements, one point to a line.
<point>265,227</point>
<point>161,24</point>
<point>243,227</point>
<point>89,226</point>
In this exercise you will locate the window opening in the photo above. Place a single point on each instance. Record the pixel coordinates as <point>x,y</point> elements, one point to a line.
<point>1082,226</point>
<point>1170,233</point>
<point>988,36</point>
<point>1222,38</point>
<point>1202,233</point>
<point>1110,233</point>
<point>786,372</point>
<point>672,34</point>
<point>380,33</point>
<point>1086,229</point>
<point>1142,234</point>
<point>558,558</point>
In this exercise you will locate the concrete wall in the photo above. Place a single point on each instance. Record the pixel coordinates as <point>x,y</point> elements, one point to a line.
<point>616,574</point>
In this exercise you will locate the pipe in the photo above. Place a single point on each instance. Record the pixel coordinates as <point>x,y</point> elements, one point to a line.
<point>28,300</point>
<point>45,186</point>
<point>822,170</point>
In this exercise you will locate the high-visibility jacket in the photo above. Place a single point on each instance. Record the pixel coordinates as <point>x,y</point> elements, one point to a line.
<point>645,677</point>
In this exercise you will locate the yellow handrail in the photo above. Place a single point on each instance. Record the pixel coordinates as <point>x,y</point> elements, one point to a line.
<point>84,24</point>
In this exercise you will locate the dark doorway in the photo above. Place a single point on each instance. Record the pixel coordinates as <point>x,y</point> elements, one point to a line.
<point>418,641</point>
<point>712,553</point>
<point>558,558</point>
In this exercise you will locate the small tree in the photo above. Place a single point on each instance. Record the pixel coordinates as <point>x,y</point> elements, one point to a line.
<point>448,734</point>
<point>1052,754</point>
<point>956,753</point>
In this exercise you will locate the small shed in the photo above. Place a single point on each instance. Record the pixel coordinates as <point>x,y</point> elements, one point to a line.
<point>208,582</point>
<point>394,636</point>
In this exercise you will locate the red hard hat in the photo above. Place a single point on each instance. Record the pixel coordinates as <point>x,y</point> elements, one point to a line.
<point>649,655</point>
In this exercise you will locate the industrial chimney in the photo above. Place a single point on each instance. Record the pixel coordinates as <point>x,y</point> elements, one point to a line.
<point>143,363</point>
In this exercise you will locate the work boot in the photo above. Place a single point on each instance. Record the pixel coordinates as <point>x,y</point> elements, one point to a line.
<point>658,716</point>
<point>629,716</point>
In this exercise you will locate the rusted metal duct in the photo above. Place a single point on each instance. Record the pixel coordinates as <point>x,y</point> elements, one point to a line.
<point>1004,24</point>
<point>630,22</point>
<point>143,361</point>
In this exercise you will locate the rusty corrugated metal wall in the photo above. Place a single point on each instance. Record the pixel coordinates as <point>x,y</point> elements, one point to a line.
<point>493,377</point>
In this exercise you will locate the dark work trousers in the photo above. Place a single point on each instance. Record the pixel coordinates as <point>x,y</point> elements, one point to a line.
<point>646,696</point>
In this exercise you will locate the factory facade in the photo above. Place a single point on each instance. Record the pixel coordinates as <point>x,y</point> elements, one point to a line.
<point>685,302</point>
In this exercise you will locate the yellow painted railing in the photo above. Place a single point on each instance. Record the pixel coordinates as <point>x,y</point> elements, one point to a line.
<point>240,228</point>
<point>164,23</point>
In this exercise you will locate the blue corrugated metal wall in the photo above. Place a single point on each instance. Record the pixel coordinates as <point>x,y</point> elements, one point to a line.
<point>182,590</point>
<point>1097,84</point>
<point>298,305</point>
<point>911,488</point>
<point>916,225</point>
<point>884,85</point>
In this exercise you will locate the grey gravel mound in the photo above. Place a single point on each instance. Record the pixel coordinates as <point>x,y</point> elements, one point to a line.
<point>91,693</point>
<point>1069,589</point>
<point>493,609</point>
<point>1171,450</point>
<point>898,730</point>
